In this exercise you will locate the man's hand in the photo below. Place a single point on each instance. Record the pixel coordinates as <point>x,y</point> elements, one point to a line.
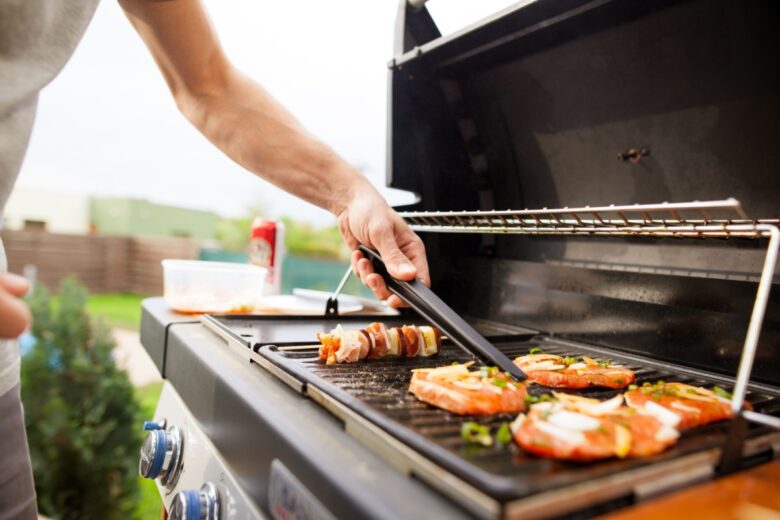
<point>14,314</point>
<point>369,220</point>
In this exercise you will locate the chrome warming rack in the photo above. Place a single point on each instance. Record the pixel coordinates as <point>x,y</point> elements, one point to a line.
<point>722,219</point>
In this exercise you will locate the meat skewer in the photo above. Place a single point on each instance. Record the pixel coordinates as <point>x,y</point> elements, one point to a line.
<point>377,340</point>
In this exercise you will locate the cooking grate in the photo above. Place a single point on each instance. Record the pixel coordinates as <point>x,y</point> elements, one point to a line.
<point>377,390</point>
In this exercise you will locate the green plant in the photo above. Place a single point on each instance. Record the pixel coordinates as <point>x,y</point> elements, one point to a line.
<point>80,412</point>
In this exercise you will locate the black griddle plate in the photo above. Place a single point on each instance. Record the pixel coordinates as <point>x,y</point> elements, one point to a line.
<point>377,390</point>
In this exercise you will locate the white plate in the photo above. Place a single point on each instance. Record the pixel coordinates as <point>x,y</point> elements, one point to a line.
<point>292,304</point>
<point>346,299</point>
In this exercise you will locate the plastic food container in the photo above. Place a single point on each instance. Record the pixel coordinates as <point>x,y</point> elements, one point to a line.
<point>196,287</point>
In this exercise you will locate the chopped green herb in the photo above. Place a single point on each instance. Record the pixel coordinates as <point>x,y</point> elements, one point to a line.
<point>646,389</point>
<point>602,430</point>
<point>618,381</point>
<point>485,372</point>
<point>501,383</point>
<point>532,399</point>
<point>604,363</point>
<point>455,363</point>
<point>721,392</point>
<point>632,387</point>
<point>504,434</point>
<point>536,350</point>
<point>476,433</point>
<point>568,361</point>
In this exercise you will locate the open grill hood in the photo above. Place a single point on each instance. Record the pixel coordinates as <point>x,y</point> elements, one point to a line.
<point>531,109</point>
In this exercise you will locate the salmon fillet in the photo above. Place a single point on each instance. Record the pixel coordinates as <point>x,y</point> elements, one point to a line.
<point>683,405</point>
<point>458,389</point>
<point>568,372</point>
<point>581,429</point>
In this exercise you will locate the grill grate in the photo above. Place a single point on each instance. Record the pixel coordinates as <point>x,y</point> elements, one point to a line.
<point>377,389</point>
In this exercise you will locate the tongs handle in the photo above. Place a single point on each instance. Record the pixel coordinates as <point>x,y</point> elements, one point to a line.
<point>432,308</point>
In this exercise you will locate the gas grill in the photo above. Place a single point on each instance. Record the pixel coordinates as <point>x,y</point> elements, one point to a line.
<point>571,107</point>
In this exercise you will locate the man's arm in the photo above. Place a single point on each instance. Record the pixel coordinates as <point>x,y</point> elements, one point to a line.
<point>242,119</point>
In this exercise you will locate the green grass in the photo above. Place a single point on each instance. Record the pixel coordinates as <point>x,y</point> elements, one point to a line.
<point>121,310</point>
<point>149,502</point>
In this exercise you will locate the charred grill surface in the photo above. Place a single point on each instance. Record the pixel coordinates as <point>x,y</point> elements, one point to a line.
<point>378,390</point>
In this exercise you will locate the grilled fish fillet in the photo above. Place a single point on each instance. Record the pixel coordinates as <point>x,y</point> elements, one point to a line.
<point>678,404</point>
<point>581,429</point>
<point>455,388</point>
<point>559,372</point>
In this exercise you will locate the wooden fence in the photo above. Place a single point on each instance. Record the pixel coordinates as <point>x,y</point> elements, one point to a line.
<point>102,263</point>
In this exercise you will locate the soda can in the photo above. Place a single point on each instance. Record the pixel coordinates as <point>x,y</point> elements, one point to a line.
<point>266,249</point>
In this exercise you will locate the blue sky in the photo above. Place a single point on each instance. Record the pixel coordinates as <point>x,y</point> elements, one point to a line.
<point>108,126</point>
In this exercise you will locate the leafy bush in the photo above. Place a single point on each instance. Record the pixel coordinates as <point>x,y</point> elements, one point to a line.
<point>80,413</point>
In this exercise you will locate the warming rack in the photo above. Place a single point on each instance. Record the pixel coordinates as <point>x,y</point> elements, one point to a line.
<point>715,219</point>
<point>709,219</point>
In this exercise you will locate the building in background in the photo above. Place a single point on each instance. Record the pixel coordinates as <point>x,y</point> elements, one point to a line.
<point>37,209</point>
<point>43,210</point>
<point>138,217</point>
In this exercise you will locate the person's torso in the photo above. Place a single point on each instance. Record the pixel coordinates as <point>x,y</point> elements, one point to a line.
<point>37,37</point>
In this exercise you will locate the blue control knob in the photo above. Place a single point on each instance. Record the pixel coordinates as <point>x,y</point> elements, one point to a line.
<point>153,454</point>
<point>161,453</point>
<point>192,504</point>
<point>151,425</point>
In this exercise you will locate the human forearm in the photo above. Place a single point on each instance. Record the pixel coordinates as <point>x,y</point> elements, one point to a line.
<point>249,125</point>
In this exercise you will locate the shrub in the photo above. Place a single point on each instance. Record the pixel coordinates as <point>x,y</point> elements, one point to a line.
<point>81,417</point>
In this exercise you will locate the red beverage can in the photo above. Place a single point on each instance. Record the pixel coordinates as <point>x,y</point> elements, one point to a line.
<point>266,249</point>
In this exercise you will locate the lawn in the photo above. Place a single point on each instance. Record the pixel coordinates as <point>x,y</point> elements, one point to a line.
<point>149,502</point>
<point>121,310</point>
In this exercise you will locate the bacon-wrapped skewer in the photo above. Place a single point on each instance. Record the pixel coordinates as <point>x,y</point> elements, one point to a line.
<point>377,340</point>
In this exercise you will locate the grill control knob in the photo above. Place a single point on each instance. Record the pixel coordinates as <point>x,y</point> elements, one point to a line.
<point>191,504</point>
<point>161,453</point>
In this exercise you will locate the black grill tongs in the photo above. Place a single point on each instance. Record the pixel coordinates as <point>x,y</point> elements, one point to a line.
<point>432,308</point>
